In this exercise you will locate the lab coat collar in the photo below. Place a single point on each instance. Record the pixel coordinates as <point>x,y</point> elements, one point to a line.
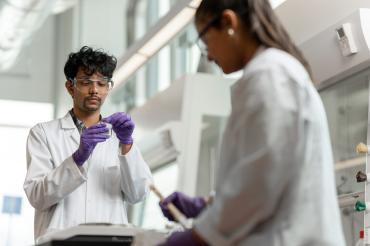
<point>68,124</point>
<point>259,50</point>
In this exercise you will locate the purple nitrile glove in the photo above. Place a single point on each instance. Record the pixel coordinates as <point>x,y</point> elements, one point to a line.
<point>183,238</point>
<point>189,206</point>
<point>90,137</point>
<point>122,125</point>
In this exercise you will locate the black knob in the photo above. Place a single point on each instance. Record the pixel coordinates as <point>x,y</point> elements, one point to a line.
<point>361,177</point>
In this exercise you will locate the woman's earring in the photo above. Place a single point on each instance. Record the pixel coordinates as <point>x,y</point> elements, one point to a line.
<point>230,31</point>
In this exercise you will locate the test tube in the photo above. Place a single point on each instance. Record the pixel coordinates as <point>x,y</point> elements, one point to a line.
<point>109,126</point>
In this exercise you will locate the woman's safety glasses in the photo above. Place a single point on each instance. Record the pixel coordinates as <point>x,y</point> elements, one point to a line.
<point>202,46</point>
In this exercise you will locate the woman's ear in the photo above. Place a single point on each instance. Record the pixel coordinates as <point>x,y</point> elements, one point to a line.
<point>230,20</point>
<point>69,87</point>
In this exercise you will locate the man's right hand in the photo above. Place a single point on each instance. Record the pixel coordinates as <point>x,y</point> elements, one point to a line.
<point>189,206</point>
<point>90,137</point>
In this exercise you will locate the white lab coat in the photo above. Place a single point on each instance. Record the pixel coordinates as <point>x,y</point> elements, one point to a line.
<point>65,195</point>
<point>275,184</point>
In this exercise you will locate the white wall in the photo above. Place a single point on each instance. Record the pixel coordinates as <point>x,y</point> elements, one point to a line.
<point>96,23</point>
<point>31,77</point>
<point>103,24</point>
<point>305,18</point>
<point>67,40</point>
<point>17,229</point>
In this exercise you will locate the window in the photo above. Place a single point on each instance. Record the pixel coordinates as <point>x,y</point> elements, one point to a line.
<point>148,214</point>
<point>16,229</point>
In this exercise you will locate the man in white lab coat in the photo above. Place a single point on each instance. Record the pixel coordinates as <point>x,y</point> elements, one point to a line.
<point>79,171</point>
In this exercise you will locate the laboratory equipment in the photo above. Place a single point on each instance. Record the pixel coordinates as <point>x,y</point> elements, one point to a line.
<point>342,77</point>
<point>122,125</point>
<point>346,40</point>
<point>179,217</point>
<point>361,148</point>
<point>361,241</point>
<point>90,234</point>
<point>362,177</point>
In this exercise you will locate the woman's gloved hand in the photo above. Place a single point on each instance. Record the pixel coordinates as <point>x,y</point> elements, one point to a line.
<point>90,137</point>
<point>184,238</point>
<point>122,125</point>
<point>189,206</point>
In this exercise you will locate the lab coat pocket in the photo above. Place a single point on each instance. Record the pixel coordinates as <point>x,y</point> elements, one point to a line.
<point>112,182</point>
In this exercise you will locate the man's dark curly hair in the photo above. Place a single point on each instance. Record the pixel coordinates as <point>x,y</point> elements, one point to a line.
<point>91,61</point>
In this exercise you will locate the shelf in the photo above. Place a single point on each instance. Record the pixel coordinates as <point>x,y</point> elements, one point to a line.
<point>348,200</point>
<point>354,162</point>
<point>162,108</point>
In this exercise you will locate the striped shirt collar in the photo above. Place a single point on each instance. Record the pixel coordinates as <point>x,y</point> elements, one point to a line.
<point>79,124</point>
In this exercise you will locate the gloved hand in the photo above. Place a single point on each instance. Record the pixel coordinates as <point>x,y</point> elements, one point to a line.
<point>90,137</point>
<point>183,238</point>
<point>122,125</point>
<point>189,206</point>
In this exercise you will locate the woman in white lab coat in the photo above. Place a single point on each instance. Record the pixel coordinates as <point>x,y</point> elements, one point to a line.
<point>275,181</point>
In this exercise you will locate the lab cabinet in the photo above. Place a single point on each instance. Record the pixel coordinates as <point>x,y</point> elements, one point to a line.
<point>209,151</point>
<point>190,112</point>
<point>346,105</point>
<point>343,83</point>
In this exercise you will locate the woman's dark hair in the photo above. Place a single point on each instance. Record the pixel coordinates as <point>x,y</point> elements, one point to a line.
<point>91,61</point>
<point>259,18</point>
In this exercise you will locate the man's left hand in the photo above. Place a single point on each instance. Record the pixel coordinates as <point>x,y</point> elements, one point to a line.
<point>122,125</point>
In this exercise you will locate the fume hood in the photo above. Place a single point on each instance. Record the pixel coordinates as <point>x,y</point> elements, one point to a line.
<point>340,59</point>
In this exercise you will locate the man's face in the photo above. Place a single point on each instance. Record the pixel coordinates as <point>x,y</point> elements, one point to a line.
<point>89,91</point>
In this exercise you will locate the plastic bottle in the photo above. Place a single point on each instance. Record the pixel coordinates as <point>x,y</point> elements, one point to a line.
<point>361,241</point>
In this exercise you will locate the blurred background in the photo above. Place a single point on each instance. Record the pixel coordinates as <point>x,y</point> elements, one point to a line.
<point>175,97</point>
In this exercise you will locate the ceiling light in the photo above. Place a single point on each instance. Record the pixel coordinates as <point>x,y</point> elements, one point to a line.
<point>195,4</point>
<point>167,32</point>
<point>276,3</point>
<point>123,72</point>
<point>157,37</point>
<point>62,5</point>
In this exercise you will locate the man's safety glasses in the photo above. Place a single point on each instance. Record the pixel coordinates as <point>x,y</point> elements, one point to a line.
<point>84,84</point>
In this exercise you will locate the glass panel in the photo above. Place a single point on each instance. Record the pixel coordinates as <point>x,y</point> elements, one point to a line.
<point>16,227</point>
<point>179,57</point>
<point>148,214</point>
<point>147,13</point>
<point>346,105</point>
<point>209,151</point>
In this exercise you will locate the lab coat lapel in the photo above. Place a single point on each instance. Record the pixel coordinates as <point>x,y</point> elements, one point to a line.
<point>70,128</point>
